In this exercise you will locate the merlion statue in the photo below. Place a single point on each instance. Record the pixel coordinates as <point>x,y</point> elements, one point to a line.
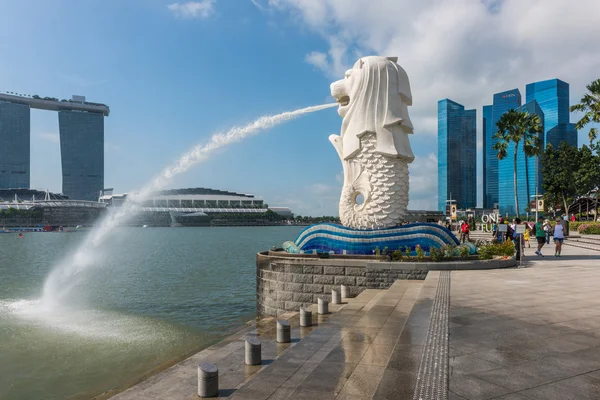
<point>373,145</point>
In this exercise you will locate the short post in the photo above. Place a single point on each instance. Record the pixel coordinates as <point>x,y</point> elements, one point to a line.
<point>305,317</point>
<point>283,331</point>
<point>345,293</point>
<point>208,380</point>
<point>253,348</point>
<point>336,298</point>
<point>323,306</point>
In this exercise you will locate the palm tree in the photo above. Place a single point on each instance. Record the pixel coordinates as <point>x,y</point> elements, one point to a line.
<point>590,105</point>
<point>516,127</point>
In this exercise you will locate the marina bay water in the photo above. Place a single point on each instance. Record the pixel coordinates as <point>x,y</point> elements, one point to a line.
<point>156,294</point>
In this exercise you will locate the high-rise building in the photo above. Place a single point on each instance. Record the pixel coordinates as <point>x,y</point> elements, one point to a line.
<point>14,145</point>
<point>457,155</point>
<point>486,129</point>
<point>81,126</point>
<point>503,102</point>
<point>553,98</point>
<point>527,172</point>
<point>82,153</point>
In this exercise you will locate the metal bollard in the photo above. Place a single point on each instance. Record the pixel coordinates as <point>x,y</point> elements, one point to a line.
<point>305,317</point>
<point>335,297</point>
<point>208,380</point>
<point>283,331</point>
<point>253,348</point>
<point>345,293</point>
<point>323,306</point>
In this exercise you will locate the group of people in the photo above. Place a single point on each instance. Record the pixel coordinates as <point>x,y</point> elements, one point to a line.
<point>541,230</point>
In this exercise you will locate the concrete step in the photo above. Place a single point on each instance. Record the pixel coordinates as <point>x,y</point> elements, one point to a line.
<point>417,365</point>
<point>583,242</point>
<point>345,356</point>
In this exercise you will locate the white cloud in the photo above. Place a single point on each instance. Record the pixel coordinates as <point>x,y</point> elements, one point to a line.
<point>318,59</point>
<point>423,183</point>
<point>193,9</point>
<point>49,136</point>
<point>462,49</point>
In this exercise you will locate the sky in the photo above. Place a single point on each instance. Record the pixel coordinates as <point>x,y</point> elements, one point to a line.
<point>173,73</point>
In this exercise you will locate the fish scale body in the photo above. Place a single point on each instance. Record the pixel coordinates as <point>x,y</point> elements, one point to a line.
<point>387,198</point>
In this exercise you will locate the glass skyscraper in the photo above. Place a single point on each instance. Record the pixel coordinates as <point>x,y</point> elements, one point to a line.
<point>503,102</point>
<point>553,98</point>
<point>487,128</point>
<point>82,153</point>
<point>527,172</point>
<point>14,146</point>
<point>457,155</point>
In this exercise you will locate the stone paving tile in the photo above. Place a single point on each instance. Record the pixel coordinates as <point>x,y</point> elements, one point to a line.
<point>363,382</point>
<point>474,388</point>
<point>468,363</point>
<point>575,388</point>
<point>538,325</point>
<point>395,385</point>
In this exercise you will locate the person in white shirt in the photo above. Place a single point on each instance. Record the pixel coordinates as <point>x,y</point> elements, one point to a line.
<point>559,236</point>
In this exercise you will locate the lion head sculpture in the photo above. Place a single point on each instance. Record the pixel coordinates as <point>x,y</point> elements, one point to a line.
<point>373,97</point>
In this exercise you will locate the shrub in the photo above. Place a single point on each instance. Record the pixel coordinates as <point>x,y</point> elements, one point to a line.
<point>407,252</point>
<point>377,251</point>
<point>488,251</point>
<point>589,229</point>
<point>436,254</point>
<point>420,253</point>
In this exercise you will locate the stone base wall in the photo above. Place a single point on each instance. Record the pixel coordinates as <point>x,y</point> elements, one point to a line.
<point>286,282</point>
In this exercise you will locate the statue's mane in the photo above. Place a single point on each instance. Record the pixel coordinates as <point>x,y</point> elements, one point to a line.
<point>379,97</point>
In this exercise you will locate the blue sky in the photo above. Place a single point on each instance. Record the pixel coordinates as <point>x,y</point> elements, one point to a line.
<point>175,72</point>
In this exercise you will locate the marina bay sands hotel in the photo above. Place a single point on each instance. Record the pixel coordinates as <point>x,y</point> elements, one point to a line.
<point>81,127</point>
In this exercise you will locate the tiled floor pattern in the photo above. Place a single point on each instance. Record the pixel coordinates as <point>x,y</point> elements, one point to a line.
<point>531,333</point>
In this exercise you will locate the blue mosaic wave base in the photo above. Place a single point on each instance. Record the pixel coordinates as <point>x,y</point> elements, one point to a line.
<point>339,239</point>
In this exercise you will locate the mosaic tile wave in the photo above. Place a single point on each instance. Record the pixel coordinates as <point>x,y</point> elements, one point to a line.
<point>339,239</point>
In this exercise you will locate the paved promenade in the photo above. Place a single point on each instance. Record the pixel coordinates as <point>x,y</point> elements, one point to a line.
<point>527,333</point>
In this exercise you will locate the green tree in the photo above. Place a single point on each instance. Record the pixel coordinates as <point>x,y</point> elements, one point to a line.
<point>590,105</point>
<point>559,169</point>
<point>516,127</point>
<point>587,176</point>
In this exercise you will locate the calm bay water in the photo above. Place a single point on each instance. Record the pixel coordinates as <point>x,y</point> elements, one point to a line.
<point>152,295</point>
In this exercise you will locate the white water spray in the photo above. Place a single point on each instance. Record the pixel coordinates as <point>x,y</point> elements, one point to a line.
<point>64,276</point>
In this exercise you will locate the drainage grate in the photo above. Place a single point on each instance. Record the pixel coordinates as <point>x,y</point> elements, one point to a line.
<point>432,379</point>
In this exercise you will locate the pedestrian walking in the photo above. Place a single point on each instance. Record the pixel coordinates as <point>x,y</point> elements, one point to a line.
<point>540,236</point>
<point>526,236</point>
<point>559,237</point>
<point>547,231</point>
<point>464,231</point>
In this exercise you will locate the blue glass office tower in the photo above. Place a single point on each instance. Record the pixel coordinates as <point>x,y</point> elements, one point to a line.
<point>457,155</point>
<point>486,129</point>
<point>553,97</point>
<point>82,153</point>
<point>527,172</point>
<point>503,102</point>
<point>14,146</point>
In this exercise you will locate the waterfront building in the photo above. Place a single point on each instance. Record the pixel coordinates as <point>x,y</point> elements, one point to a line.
<point>81,126</point>
<point>527,172</point>
<point>82,153</point>
<point>503,101</point>
<point>14,145</point>
<point>553,98</point>
<point>197,206</point>
<point>457,155</point>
